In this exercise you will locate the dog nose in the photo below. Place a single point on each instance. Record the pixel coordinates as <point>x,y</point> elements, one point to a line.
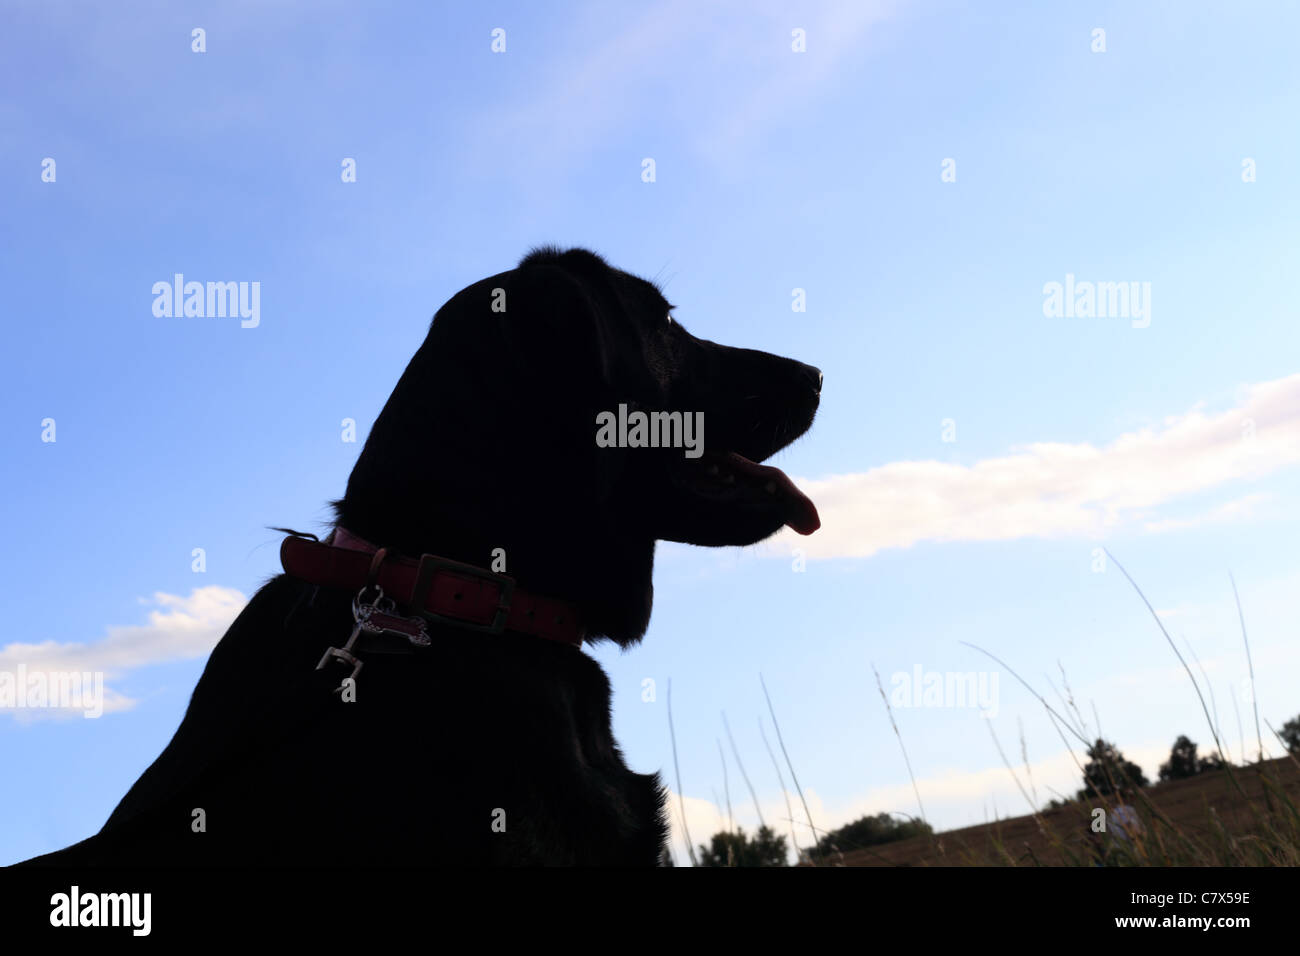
<point>813,376</point>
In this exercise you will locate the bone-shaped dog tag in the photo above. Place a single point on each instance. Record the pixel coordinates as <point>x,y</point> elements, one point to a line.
<point>370,618</point>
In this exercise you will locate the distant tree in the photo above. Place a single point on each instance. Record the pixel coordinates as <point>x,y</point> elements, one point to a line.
<point>1290,734</point>
<point>1184,763</point>
<point>1212,762</point>
<point>1109,772</point>
<point>730,848</point>
<point>869,831</point>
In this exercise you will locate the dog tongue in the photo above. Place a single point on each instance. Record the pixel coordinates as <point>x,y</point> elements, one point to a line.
<point>800,512</point>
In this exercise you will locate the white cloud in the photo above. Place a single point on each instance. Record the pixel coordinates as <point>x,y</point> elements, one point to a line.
<point>1052,490</point>
<point>178,628</point>
<point>1231,511</point>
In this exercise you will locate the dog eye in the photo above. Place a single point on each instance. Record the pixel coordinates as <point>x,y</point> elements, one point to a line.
<point>670,318</point>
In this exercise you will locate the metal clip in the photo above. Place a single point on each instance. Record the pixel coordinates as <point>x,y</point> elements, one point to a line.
<point>345,655</point>
<point>374,617</point>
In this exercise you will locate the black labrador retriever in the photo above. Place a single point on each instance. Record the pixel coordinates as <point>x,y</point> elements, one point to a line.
<point>374,706</point>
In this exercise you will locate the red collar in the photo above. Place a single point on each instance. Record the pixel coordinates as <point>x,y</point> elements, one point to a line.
<point>440,590</point>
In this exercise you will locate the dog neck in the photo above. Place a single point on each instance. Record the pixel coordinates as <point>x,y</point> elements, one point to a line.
<point>606,574</point>
<point>446,592</point>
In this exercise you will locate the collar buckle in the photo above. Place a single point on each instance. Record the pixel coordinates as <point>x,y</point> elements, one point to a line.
<point>430,564</point>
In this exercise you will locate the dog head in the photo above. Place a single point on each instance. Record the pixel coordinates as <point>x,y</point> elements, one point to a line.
<point>560,413</point>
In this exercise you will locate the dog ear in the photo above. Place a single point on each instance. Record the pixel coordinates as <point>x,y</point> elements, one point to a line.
<point>557,324</point>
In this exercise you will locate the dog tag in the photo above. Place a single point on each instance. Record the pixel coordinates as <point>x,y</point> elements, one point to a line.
<point>373,620</point>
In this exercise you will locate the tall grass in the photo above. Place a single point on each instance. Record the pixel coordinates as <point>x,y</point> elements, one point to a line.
<point>1243,815</point>
<point>1254,819</point>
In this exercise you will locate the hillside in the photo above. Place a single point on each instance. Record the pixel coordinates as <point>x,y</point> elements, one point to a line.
<point>1195,808</point>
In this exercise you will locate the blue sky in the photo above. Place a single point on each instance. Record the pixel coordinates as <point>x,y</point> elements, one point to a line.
<point>1173,445</point>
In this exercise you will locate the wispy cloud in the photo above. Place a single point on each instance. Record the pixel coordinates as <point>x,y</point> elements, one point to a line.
<point>834,33</point>
<point>178,628</point>
<point>1056,490</point>
<point>1237,510</point>
<point>612,74</point>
